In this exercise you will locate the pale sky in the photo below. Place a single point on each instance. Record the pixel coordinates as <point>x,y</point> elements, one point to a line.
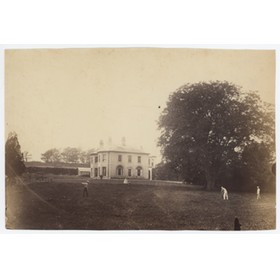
<point>57,98</point>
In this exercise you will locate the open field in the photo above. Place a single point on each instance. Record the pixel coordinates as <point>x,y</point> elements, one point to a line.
<point>114,206</point>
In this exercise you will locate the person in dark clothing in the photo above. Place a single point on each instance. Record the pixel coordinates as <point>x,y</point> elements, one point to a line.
<point>85,192</point>
<point>237,225</point>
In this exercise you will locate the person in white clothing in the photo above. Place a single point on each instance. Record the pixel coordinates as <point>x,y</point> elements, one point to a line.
<point>258,193</point>
<point>224,193</point>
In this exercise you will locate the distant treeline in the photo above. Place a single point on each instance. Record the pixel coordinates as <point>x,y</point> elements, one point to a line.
<point>67,155</point>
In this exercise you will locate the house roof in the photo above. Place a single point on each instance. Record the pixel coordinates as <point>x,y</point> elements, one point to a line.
<point>115,148</point>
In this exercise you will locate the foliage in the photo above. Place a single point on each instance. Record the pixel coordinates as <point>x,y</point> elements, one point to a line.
<point>206,127</point>
<point>52,156</point>
<point>71,155</point>
<point>88,153</point>
<point>255,169</point>
<point>83,156</point>
<point>14,164</point>
<point>166,171</point>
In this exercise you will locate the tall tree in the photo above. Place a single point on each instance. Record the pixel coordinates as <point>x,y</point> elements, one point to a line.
<point>51,156</point>
<point>206,126</point>
<point>71,155</point>
<point>14,164</point>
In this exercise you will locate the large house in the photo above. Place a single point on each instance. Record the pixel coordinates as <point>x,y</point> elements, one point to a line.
<point>111,161</point>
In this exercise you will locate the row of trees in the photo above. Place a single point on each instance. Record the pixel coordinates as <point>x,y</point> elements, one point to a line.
<point>67,155</point>
<point>214,133</point>
<point>15,158</point>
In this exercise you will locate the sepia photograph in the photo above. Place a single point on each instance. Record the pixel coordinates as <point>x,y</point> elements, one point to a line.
<point>165,139</point>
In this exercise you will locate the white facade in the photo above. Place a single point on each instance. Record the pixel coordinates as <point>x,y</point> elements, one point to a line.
<point>83,171</point>
<point>119,162</point>
<point>151,162</point>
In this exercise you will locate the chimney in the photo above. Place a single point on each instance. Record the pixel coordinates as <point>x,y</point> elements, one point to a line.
<point>123,141</point>
<point>110,141</point>
<point>101,143</point>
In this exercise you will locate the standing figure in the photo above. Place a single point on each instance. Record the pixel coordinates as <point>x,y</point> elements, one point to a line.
<point>224,193</point>
<point>258,193</point>
<point>125,181</point>
<point>85,191</point>
<point>237,225</point>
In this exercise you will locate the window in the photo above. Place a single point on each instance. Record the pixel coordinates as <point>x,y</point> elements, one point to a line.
<point>129,158</point>
<point>96,159</point>
<point>139,159</point>
<point>104,171</point>
<point>95,172</point>
<point>120,158</point>
<point>129,172</point>
<point>119,170</point>
<point>103,157</point>
<point>139,171</point>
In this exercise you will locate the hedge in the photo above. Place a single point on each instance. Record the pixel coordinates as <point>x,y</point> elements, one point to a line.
<point>53,170</point>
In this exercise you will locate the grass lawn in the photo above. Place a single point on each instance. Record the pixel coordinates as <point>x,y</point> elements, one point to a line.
<point>115,206</point>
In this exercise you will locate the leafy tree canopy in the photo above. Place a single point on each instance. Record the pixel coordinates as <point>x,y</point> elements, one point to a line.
<point>206,127</point>
<point>68,155</point>
<point>71,155</point>
<point>51,155</point>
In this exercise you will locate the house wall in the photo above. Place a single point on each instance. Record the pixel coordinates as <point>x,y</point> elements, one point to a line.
<point>110,160</point>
